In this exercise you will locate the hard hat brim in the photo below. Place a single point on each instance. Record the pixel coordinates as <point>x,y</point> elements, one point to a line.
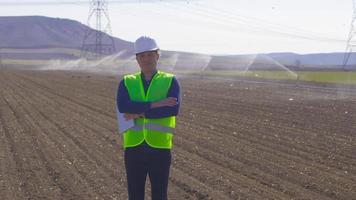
<point>146,50</point>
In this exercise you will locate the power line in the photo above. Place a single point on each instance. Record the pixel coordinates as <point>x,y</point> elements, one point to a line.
<point>231,21</point>
<point>225,19</point>
<point>270,26</point>
<point>79,2</point>
<point>218,16</point>
<point>37,3</point>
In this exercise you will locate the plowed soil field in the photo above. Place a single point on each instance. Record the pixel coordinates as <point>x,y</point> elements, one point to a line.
<point>234,140</point>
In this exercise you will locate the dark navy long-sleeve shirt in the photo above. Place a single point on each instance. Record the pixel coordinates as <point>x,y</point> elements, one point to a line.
<point>126,105</point>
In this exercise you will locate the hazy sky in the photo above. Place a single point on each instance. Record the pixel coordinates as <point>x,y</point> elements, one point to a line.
<point>217,26</point>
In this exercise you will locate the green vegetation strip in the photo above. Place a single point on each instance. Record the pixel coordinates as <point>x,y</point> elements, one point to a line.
<point>339,77</point>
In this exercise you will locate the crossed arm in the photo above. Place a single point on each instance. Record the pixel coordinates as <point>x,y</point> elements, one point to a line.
<point>164,108</point>
<point>170,101</point>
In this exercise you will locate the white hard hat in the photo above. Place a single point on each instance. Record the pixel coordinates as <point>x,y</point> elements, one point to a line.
<point>145,43</point>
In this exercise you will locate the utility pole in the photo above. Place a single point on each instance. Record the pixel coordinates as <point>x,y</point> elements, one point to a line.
<point>1,65</point>
<point>351,43</point>
<point>98,42</point>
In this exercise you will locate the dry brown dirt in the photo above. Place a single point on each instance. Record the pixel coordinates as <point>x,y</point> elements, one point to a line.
<point>234,140</point>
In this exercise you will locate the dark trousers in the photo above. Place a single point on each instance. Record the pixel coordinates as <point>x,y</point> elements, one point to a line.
<point>144,160</point>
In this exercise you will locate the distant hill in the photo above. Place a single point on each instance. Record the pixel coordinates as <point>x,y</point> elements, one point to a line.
<point>38,32</point>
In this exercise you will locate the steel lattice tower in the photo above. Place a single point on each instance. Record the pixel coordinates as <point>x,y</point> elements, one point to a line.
<point>1,66</point>
<point>98,42</point>
<point>351,43</point>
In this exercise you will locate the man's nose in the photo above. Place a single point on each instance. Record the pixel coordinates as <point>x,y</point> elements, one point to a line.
<point>146,59</point>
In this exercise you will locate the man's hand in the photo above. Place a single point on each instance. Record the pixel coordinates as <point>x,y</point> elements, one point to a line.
<point>129,116</point>
<point>170,101</point>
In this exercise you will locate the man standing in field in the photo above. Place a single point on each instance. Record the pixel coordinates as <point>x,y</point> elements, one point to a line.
<point>151,98</point>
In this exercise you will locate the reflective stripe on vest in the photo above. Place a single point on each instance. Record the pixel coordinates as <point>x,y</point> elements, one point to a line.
<point>157,133</point>
<point>154,127</point>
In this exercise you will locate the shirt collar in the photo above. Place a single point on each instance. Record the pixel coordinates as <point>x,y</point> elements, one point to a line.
<point>143,76</point>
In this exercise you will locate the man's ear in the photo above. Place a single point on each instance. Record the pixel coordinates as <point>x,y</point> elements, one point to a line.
<point>158,55</point>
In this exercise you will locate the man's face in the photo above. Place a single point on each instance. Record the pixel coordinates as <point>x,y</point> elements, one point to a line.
<point>148,60</point>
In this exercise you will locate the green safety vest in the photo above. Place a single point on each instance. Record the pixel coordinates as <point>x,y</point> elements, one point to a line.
<point>157,133</point>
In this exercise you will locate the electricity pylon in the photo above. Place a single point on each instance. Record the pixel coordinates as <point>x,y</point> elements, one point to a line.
<point>97,41</point>
<point>351,43</point>
<point>1,66</point>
